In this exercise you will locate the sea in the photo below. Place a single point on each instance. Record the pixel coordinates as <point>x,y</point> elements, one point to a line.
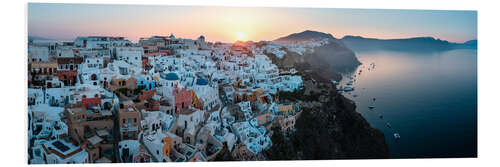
<point>429,99</point>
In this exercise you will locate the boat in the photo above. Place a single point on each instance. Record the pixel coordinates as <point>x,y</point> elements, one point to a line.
<point>371,107</point>
<point>388,125</point>
<point>354,95</point>
<point>349,83</point>
<point>348,89</point>
<point>397,136</point>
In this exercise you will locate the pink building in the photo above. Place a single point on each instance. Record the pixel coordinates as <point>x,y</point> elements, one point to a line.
<point>182,98</point>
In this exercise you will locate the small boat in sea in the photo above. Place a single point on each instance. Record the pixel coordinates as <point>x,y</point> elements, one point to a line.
<point>397,136</point>
<point>371,107</point>
<point>348,89</point>
<point>388,125</point>
<point>354,95</point>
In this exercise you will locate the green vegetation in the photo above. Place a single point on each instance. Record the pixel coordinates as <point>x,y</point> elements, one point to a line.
<point>129,92</point>
<point>123,91</point>
<point>298,95</point>
<point>283,148</point>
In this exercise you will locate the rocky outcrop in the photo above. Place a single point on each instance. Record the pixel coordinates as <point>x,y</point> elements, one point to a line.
<point>335,56</point>
<point>329,126</point>
<point>332,57</point>
<point>326,60</point>
<point>331,129</point>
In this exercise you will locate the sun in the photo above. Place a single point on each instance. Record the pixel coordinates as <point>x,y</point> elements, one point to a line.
<point>240,36</point>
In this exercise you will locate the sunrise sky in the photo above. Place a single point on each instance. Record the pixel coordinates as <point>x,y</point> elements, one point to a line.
<point>227,24</point>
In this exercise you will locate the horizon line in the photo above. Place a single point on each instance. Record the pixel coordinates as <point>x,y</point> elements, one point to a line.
<point>137,40</point>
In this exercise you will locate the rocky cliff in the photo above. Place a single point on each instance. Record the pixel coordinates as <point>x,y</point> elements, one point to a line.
<point>329,126</point>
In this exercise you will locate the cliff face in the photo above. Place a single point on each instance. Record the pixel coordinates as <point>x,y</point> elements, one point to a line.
<point>329,126</point>
<point>326,60</point>
<point>330,58</point>
<point>334,55</point>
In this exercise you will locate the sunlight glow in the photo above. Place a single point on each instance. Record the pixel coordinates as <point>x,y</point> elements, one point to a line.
<point>240,36</point>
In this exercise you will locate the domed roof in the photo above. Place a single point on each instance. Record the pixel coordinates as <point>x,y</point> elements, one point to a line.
<point>201,81</point>
<point>172,76</point>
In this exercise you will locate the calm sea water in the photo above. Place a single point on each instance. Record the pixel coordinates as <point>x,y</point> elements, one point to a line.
<point>429,99</point>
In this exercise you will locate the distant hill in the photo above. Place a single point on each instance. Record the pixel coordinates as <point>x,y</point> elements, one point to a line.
<point>418,44</point>
<point>303,36</point>
<point>471,44</point>
<point>325,61</point>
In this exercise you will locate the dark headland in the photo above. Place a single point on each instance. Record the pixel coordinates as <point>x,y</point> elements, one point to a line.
<point>417,44</point>
<point>329,127</point>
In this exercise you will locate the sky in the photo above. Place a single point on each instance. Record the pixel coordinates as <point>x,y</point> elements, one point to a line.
<point>228,24</point>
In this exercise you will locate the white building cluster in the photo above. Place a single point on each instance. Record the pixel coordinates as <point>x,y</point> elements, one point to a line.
<point>171,99</point>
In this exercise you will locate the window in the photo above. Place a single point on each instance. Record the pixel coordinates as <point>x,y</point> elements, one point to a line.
<point>135,120</point>
<point>123,120</point>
